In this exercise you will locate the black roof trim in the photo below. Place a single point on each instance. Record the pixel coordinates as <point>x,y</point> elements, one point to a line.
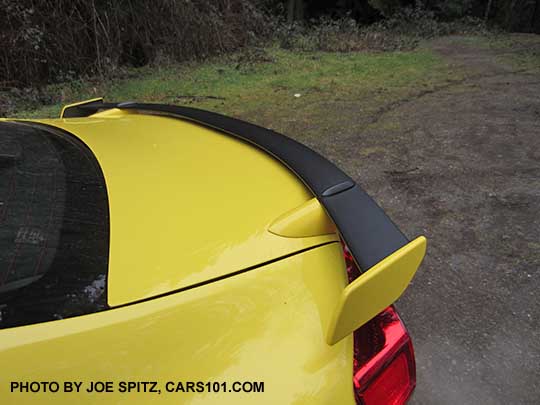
<point>363,225</point>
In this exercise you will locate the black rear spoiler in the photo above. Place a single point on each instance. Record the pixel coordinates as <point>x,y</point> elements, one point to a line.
<point>375,242</point>
<point>363,225</point>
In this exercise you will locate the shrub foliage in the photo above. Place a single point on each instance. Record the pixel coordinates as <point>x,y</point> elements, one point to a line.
<point>47,41</point>
<point>54,40</point>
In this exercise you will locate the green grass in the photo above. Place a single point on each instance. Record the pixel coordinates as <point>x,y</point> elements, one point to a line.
<point>265,91</point>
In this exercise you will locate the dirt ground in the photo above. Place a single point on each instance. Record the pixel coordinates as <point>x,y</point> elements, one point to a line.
<point>463,168</point>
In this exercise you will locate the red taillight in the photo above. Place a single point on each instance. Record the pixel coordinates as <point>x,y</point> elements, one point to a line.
<point>384,367</point>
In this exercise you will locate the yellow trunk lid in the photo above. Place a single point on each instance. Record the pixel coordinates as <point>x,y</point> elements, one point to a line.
<point>187,204</point>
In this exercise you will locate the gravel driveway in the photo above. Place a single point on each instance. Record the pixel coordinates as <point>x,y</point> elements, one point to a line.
<point>463,168</point>
<point>466,172</point>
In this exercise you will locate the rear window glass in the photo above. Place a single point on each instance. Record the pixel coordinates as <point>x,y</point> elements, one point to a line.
<point>54,226</point>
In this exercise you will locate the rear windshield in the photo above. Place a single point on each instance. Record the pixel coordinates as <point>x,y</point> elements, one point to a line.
<point>54,226</point>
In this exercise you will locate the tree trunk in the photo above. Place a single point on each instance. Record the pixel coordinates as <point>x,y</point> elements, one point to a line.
<point>295,11</point>
<point>535,22</point>
<point>510,15</point>
<point>299,10</point>
<point>290,11</point>
<point>488,10</point>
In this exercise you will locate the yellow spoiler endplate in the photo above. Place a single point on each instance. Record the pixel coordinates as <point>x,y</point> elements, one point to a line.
<point>375,290</point>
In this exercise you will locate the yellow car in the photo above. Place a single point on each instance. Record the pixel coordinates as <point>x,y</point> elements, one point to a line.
<point>161,254</point>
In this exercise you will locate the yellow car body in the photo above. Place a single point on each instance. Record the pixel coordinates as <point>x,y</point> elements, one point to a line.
<point>223,268</point>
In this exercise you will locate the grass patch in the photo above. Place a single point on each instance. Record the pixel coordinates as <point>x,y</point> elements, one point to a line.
<point>279,84</point>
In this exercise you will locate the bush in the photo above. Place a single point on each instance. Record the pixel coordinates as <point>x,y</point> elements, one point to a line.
<point>57,40</point>
<point>421,23</point>
<point>325,34</point>
<point>402,30</point>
